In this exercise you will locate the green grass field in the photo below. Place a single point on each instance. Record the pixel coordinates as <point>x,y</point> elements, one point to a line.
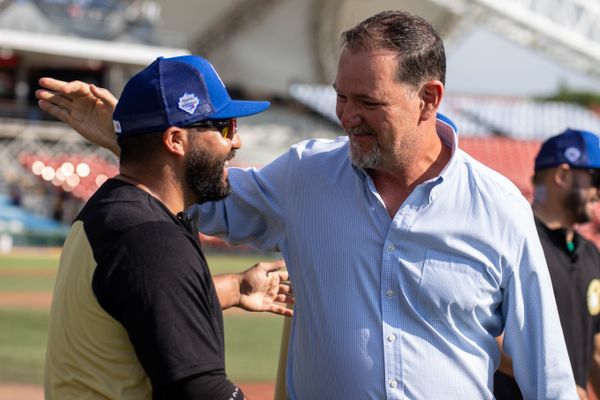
<point>251,340</point>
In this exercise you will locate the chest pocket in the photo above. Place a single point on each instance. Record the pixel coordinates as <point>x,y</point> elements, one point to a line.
<point>450,286</point>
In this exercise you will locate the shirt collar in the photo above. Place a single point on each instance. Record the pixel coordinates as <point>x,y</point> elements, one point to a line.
<point>448,133</point>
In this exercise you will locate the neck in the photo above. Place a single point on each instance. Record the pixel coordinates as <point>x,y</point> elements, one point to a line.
<point>397,184</point>
<point>159,188</point>
<point>553,217</point>
<point>419,169</point>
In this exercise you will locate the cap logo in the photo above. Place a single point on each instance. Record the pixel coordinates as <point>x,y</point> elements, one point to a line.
<point>188,103</point>
<point>572,154</point>
<point>117,126</point>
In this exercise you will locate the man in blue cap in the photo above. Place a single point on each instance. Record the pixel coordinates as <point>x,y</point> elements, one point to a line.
<point>136,313</point>
<point>567,180</point>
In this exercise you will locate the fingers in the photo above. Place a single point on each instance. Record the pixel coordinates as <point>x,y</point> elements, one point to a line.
<point>54,104</point>
<point>73,88</point>
<point>281,310</point>
<point>76,88</point>
<point>285,288</point>
<point>272,266</point>
<point>56,111</point>
<point>104,95</point>
<point>53,98</point>
<point>51,83</point>
<point>43,94</point>
<point>285,294</point>
<point>285,298</point>
<point>284,276</point>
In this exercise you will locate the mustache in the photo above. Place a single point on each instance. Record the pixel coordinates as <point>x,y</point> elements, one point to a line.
<point>230,156</point>
<point>360,130</point>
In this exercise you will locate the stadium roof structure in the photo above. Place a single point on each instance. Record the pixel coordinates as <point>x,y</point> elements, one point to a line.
<point>92,49</point>
<point>566,30</point>
<point>35,27</point>
<point>237,35</point>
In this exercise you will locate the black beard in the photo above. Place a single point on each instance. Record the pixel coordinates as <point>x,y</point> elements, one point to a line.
<point>576,204</point>
<point>204,175</point>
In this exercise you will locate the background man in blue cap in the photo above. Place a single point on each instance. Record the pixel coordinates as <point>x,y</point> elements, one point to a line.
<point>135,313</point>
<point>567,180</point>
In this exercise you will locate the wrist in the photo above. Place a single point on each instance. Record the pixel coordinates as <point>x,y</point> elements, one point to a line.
<point>239,283</point>
<point>228,287</point>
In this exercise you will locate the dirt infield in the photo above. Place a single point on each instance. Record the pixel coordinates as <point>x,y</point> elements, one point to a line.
<point>28,300</point>
<point>21,392</point>
<point>254,391</point>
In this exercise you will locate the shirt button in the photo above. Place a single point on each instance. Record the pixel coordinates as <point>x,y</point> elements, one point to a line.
<point>389,293</point>
<point>391,247</point>
<point>391,338</point>
<point>393,383</point>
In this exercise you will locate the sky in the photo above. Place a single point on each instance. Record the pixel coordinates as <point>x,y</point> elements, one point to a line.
<point>485,63</point>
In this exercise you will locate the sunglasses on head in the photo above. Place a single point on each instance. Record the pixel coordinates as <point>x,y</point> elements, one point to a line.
<point>227,127</point>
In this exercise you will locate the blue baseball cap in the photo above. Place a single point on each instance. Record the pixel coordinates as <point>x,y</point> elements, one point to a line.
<point>579,149</point>
<point>176,91</point>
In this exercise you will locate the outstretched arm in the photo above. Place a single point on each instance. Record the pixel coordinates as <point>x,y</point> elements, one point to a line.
<point>259,288</point>
<point>86,108</point>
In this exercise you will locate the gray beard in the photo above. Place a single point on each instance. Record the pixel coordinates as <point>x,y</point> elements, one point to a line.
<point>371,159</point>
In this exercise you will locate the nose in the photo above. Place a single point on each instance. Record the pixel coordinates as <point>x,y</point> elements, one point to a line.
<point>236,141</point>
<point>348,115</point>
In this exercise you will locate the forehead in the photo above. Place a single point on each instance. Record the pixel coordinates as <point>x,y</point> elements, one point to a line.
<point>365,72</point>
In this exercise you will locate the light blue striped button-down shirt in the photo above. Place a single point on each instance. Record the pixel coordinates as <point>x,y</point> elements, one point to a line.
<point>402,308</point>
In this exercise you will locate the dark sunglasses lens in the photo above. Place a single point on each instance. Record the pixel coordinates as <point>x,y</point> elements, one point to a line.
<point>596,179</point>
<point>227,127</point>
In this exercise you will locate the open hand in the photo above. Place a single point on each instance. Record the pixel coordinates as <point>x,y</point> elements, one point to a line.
<point>263,286</point>
<point>86,108</point>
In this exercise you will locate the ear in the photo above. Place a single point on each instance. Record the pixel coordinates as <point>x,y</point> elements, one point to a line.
<point>562,176</point>
<point>175,140</point>
<point>431,94</point>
